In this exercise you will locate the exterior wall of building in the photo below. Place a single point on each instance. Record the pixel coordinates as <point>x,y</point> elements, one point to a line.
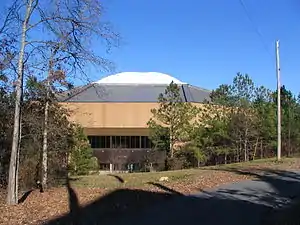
<point>116,131</point>
<point>112,115</point>
<point>117,119</point>
<point>121,147</point>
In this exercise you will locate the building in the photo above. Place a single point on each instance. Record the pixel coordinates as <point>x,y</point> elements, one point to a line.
<point>114,112</point>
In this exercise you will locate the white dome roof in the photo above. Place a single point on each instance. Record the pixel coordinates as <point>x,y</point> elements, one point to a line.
<point>139,78</point>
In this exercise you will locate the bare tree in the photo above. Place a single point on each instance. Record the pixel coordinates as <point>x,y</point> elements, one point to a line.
<point>69,27</point>
<point>12,193</point>
<point>46,115</point>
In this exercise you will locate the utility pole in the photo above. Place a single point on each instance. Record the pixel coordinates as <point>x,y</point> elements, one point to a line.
<point>278,103</point>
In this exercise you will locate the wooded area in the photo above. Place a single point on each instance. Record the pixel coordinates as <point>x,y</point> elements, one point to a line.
<point>238,123</point>
<point>47,45</point>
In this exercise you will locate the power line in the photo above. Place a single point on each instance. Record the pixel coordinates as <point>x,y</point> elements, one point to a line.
<point>259,34</point>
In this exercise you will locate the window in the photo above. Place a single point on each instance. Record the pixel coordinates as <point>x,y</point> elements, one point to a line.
<point>127,141</point>
<point>92,141</point>
<point>107,142</point>
<point>123,142</point>
<point>116,141</point>
<point>145,142</point>
<point>99,141</point>
<point>135,142</point>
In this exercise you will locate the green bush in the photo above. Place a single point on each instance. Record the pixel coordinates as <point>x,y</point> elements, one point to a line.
<point>81,160</point>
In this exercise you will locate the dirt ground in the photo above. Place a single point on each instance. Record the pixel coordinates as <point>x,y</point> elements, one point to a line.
<point>40,207</point>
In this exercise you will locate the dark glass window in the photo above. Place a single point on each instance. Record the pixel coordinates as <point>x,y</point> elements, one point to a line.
<point>116,141</point>
<point>135,142</point>
<point>127,141</point>
<point>99,141</point>
<point>145,142</point>
<point>123,142</point>
<point>92,141</point>
<point>107,142</point>
<point>119,141</point>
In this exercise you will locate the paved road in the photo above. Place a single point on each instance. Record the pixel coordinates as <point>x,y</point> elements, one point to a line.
<point>244,203</point>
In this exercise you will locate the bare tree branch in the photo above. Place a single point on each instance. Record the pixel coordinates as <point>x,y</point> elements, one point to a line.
<point>9,17</point>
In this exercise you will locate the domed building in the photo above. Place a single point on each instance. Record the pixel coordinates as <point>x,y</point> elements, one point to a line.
<point>114,112</point>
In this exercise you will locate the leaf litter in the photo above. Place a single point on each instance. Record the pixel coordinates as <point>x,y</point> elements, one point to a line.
<point>40,207</point>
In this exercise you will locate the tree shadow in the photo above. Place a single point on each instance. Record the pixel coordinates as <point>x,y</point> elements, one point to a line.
<point>27,193</point>
<point>247,202</point>
<point>25,196</point>
<point>165,188</point>
<point>118,178</point>
<point>73,178</point>
<point>74,206</point>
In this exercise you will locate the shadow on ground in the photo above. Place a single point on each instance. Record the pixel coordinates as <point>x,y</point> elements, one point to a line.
<point>247,202</point>
<point>25,196</point>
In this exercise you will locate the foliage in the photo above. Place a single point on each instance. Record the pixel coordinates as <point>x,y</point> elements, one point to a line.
<point>64,138</point>
<point>238,123</point>
<point>160,136</point>
<point>249,126</point>
<point>63,53</point>
<point>176,115</point>
<point>81,157</point>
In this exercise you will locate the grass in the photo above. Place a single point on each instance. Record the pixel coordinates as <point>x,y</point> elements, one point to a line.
<point>54,202</point>
<point>135,180</point>
<point>139,180</point>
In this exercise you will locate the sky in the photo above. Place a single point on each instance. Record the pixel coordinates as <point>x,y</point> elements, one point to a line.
<point>206,42</point>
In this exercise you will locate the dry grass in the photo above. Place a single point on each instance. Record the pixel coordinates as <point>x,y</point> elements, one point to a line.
<point>140,180</point>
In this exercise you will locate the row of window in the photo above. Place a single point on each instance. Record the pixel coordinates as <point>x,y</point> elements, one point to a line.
<point>119,141</point>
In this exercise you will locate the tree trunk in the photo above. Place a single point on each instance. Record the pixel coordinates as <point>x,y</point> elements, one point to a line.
<point>45,145</point>
<point>225,159</point>
<point>171,145</point>
<point>245,151</point>
<point>12,189</point>
<point>255,148</point>
<point>245,146</point>
<point>46,120</point>
<point>261,149</point>
<point>240,150</point>
<point>18,155</point>
<point>171,150</point>
<point>289,136</point>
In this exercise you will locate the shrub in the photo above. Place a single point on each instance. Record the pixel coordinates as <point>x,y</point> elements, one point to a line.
<point>81,159</point>
<point>175,163</point>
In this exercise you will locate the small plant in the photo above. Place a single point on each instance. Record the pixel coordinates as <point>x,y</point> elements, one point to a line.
<point>81,160</point>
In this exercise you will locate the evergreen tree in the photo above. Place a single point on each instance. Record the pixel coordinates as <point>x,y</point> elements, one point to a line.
<point>81,159</point>
<point>266,121</point>
<point>173,113</point>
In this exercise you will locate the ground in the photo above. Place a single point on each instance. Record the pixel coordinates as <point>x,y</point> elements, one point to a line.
<point>38,208</point>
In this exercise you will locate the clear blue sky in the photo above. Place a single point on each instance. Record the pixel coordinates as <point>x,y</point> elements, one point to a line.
<point>206,42</point>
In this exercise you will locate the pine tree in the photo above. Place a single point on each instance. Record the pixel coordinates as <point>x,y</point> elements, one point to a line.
<point>173,113</point>
<point>81,159</point>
